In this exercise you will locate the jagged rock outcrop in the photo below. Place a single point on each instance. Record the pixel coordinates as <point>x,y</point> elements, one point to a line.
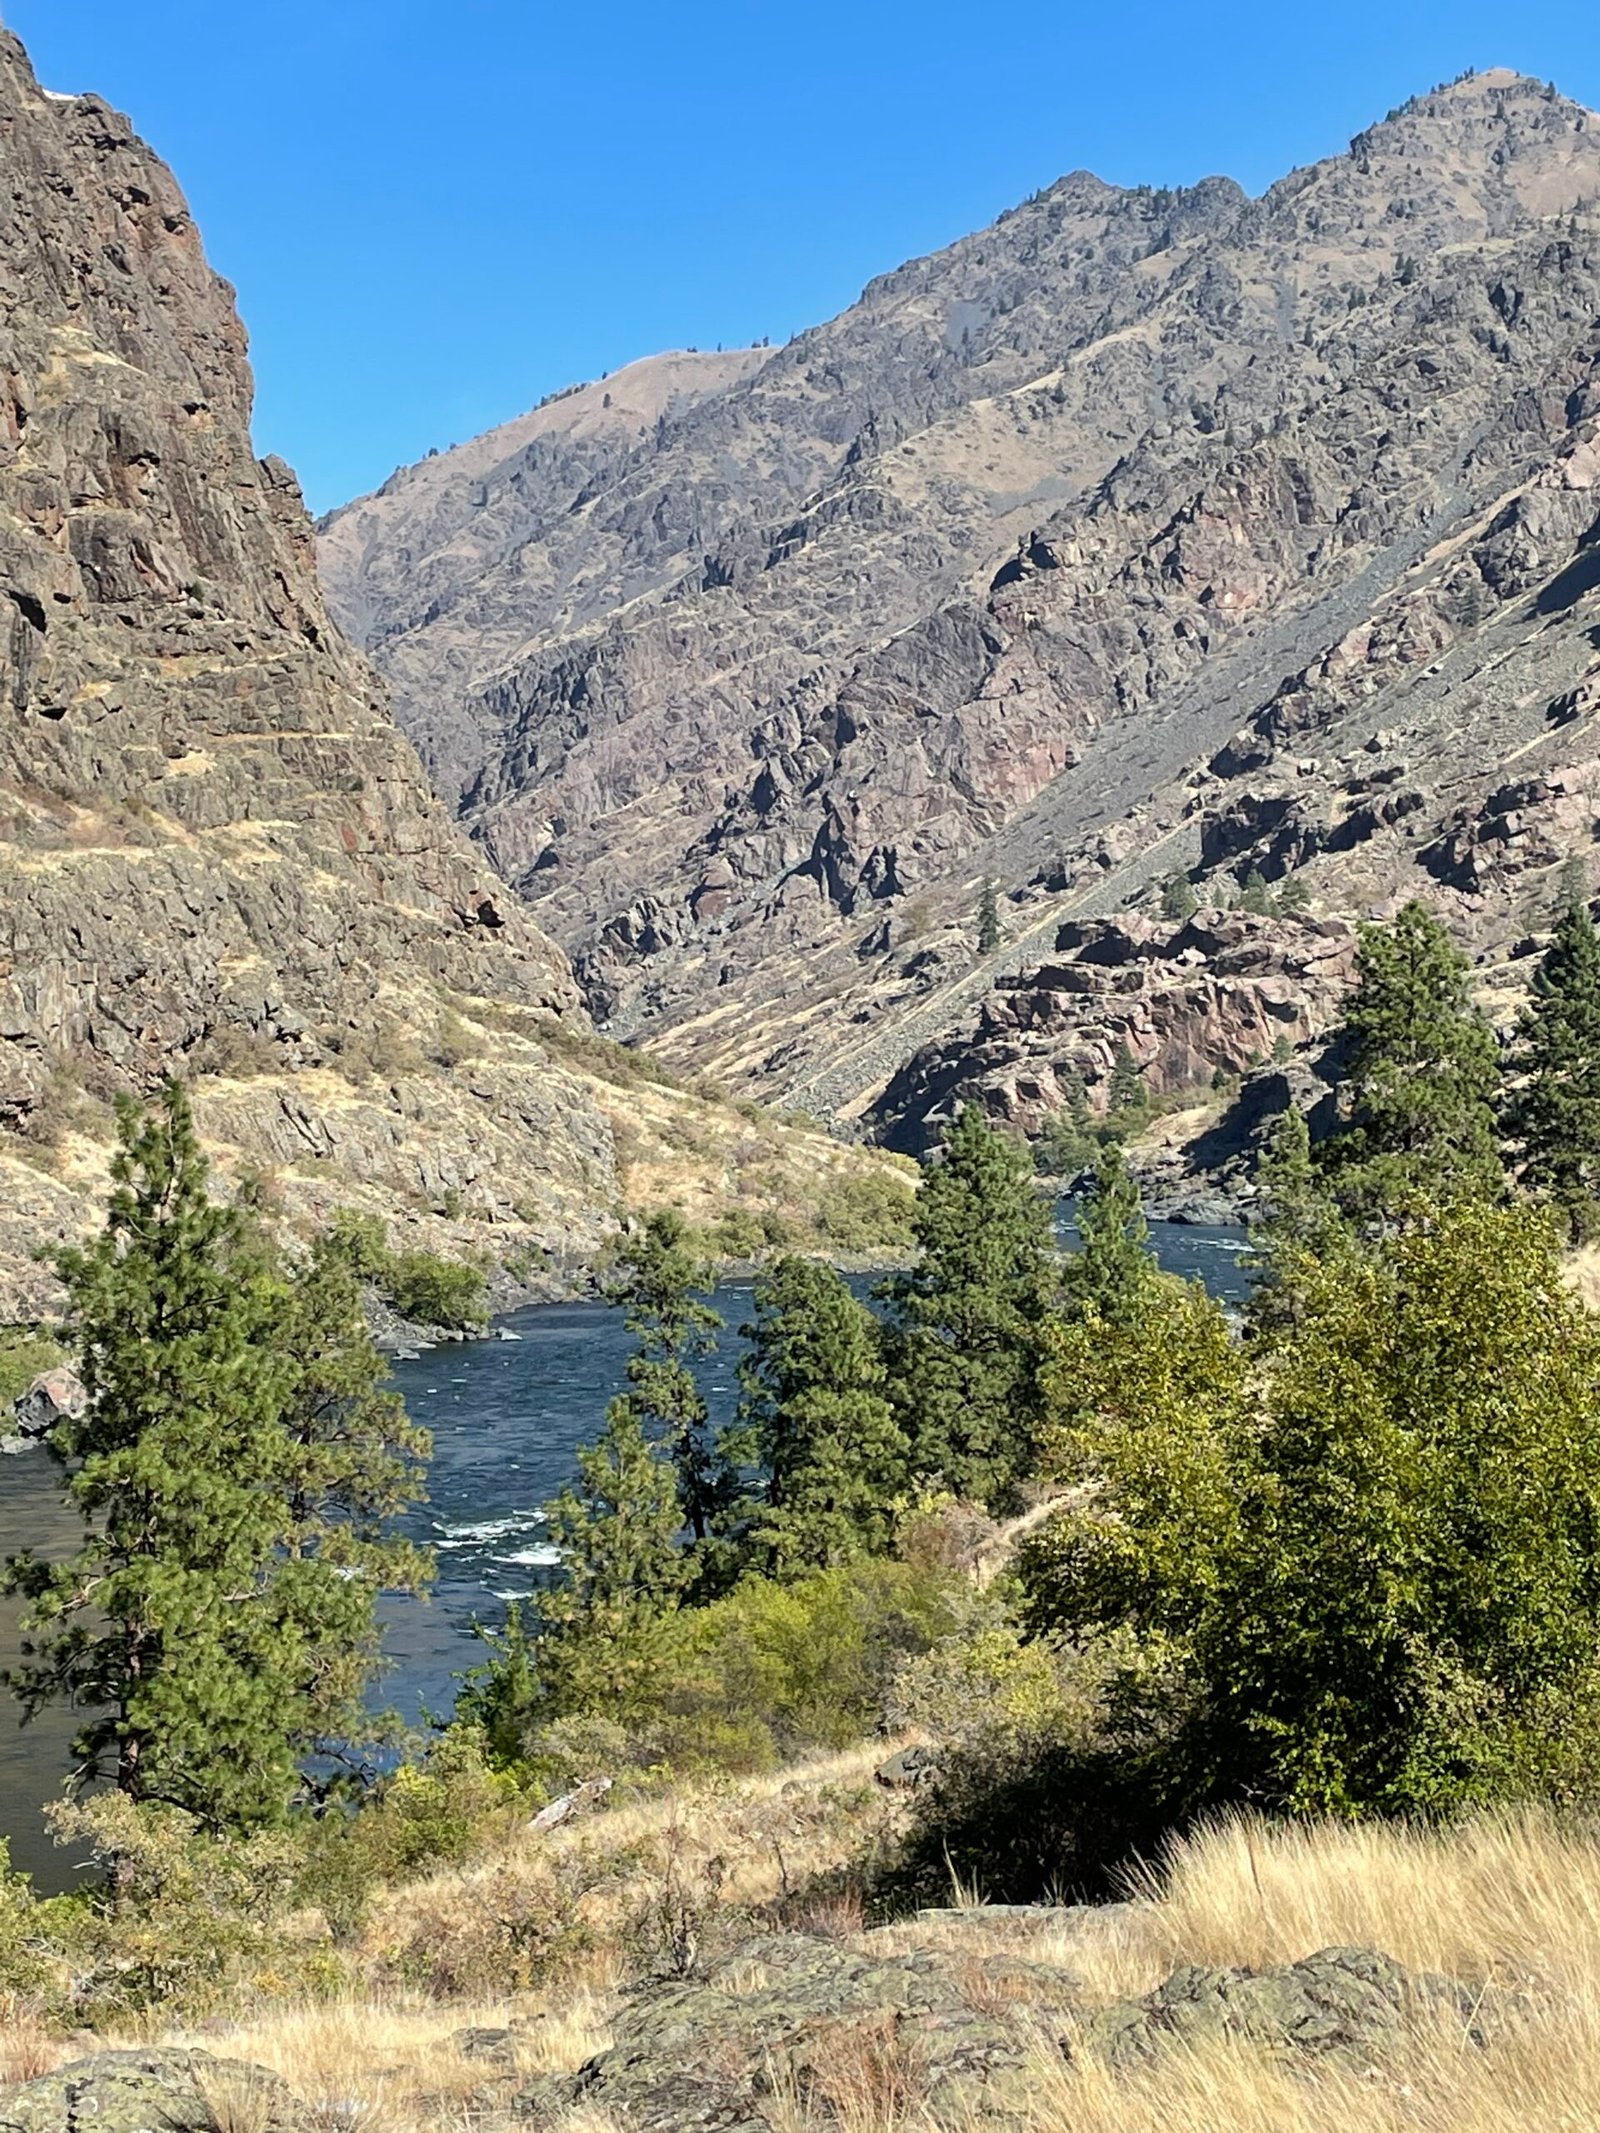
<point>1223,990</point>
<point>1101,544</point>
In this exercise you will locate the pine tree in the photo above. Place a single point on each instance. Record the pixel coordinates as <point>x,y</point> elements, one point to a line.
<point>1110,1276</point>
<point>658,1284</point>
<point>1255,897</point>
<point>1554,1115</point>
<point>623,1569</point>
<point>1422,1070</point>
<point>816,1408</point>
<point>1294,898</point>
<point>1178,899</point>
<point>988,920</point>
<point>1294,1224</point>
<point>168,1624</point>
<point>355,1462</point>
<point>1127,1094</point>
<point>964,1322</point>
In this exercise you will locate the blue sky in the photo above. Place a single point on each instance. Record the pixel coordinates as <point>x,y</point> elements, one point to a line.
<point>437,214</point>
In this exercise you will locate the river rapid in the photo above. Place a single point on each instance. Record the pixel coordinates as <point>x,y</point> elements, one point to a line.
<point>507,1415</point>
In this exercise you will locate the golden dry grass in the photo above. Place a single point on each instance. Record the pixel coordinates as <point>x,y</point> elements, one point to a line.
<point>1508,1903</point>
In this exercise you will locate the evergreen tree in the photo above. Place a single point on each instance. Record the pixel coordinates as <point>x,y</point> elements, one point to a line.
<point>1554,1115</point>
<point>1294,898</point>
<point>964,1322</point>
<point>1127,1094</point>
<point>1422,1070</point>
<point>355,1462</point>
<point>1294,1224</point>
<point>1255,897</point>
<point>168,1625</point>
<point>1178,900</point>
<point>659,1282</point>
<point>988,920</point>
<point>816,1409</point>
<point>623,1571</point>
<point>1111,1276</point>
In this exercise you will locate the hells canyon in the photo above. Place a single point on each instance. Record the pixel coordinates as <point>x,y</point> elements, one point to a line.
<point>1144,533</point>
<point>470,852</point>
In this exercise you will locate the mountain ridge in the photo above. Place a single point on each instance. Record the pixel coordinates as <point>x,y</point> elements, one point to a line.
<point>726,785</point>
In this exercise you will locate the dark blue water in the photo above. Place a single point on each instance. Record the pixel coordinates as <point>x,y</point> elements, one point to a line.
<point>507,1416</point>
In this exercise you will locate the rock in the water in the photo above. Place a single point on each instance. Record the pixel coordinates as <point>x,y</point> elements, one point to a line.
<point>154,2091</point>
<point>54,1396</point>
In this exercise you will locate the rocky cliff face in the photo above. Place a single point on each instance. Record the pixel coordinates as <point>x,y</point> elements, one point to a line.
<point>1140,532</point>
<point>218,857</point>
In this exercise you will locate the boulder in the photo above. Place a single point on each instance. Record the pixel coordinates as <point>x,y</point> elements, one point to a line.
<point>791,2015</point>
<point>910,1768</point>
<point>155,2090</point>
<point>54,1396</point>
<point>1352,2000</point>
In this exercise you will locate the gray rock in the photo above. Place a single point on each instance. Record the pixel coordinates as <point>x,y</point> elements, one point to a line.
<point>1350,2000</point>
<point>155,2090</point>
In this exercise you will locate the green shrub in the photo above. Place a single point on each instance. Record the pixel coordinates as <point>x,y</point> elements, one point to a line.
<point>420,1285</point>
<point>432,1811</point>
<point>1367,1544</point>
<point>179,1920</point>
<point>867,1211</point>
<point>23,1355</point>
<point>774,1669</point>
<point>437,1292</point>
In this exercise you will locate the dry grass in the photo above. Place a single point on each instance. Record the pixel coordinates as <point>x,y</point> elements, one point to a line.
<point>1508,1904</point>
<point>387,2066</point>
<point>27,2047</point>
<point>1542,2077</point>
<point>389,2061</point>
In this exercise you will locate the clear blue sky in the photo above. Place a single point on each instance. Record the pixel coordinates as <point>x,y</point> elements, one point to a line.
<point>435,214</point>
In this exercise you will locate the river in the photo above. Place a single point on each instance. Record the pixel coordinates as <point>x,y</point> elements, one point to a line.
<point>507,1414</point>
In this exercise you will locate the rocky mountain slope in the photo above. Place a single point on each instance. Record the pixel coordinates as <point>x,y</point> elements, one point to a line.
<point>218,857</point>
<point>1142,531</point>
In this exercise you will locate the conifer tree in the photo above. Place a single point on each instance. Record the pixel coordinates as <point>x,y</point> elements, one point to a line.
<point>1178,899</point>
<point>817,1412</point>
<point>168,1624</point>
<point>623,1570</point>
<point>1422,1070</point>
<point>1127,1093</point>
<point>988,920</point>
<point>355,1461</point>
<point>964,1322</point>
<point>1294,1224</point>
<point>1554,1115</point>
<point>1256,898</point>
<point>1111,1275</point>
<point>659,1282</point>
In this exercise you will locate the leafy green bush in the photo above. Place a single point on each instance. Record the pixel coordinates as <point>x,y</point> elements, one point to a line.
<point>1368,1544</point>
<point>436,1292</point>
<point>768,1671</point>
<point>429,1812</point>
<point>867,1211</point>
<point>179,1919</point>
<point>420,1285</point>
<point>776,1668</point>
